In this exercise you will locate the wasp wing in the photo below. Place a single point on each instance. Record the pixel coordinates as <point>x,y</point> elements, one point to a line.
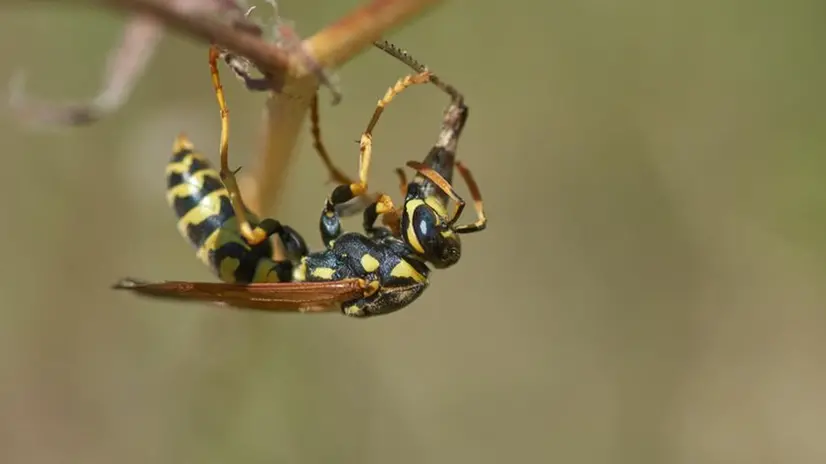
<point>277,297</point>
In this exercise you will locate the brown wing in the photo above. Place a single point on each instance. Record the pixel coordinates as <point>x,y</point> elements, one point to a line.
<point>278,297</point>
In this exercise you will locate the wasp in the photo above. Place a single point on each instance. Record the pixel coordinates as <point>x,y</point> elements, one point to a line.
<point>377,272</point>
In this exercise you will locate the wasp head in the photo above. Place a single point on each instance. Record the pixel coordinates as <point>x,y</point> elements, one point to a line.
<point>426,226</point>
<point>427,229</point>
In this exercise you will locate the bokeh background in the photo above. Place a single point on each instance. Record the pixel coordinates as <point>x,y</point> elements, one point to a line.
<point>649,289</point>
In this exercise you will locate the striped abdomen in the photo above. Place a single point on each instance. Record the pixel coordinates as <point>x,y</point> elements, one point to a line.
<point>206,219</point>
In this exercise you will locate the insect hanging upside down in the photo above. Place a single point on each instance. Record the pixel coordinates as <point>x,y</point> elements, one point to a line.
<point>361,275</point>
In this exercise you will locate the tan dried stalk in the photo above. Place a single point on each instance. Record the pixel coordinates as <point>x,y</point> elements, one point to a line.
<point>331,47</point>
<point>286,110</point>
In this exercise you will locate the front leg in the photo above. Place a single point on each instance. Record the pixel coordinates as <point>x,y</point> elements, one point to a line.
<point>383,205</point>
<point>330,223</point>
<point>295,247</point>
<point>240,66</point>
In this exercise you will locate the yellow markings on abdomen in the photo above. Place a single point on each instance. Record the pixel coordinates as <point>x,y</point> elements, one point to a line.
<point>182,162</point>
<point>227,233</point>
<point>193,186</point>
<point>226,269</point>
<point>264,272</point>
<point>206,219</point>
<point>209,206</point>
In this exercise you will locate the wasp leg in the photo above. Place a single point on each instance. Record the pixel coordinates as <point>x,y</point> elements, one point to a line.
<point>330,218</point>
<point>336,174</point>
<point>253,235</point>
<point>383,205</point>
<point>295,247</point>
<point>391,219</point>
<point>330,224</point>
<point>402,181</point>
<point>240,66</point>
<point>482,220</point>
<point>366,142</point>
<point>349,190</point>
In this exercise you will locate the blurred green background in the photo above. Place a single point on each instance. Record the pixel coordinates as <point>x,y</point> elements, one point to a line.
<point>648,291</point>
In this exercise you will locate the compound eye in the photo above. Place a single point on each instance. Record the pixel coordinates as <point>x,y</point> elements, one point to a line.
<point>427,225</point>
<point>438,244</point>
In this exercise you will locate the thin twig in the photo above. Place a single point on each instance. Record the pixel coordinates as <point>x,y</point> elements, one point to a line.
<point>331,47</point>
<point>341,41</point>
<point>189,18</point>
<point>125,66</point>
<point>212,30</point>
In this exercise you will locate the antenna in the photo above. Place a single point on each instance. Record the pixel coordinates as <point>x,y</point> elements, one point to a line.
<point>406,58</point>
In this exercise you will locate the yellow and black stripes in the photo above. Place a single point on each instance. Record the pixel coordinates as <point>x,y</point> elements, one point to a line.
<point>207,220</point>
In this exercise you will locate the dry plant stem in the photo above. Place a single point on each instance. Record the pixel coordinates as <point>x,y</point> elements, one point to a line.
<point>284,116</point>
<point>188,20</point>
<point>212,30</point>
<point>124,68</point>
<point>343,40</point>
<point>126,64</point>
<point>331,47</point>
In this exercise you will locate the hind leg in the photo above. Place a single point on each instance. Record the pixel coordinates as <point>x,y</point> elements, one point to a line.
<point>348,189</point>
<point>254,235</point>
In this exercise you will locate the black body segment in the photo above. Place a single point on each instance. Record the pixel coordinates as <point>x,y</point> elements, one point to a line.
<point>207,220</point>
